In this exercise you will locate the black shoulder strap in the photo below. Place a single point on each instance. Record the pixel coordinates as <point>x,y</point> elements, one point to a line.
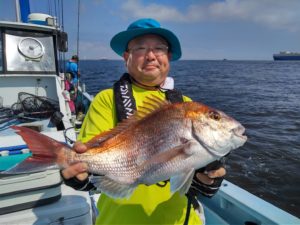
<point>125,103</point>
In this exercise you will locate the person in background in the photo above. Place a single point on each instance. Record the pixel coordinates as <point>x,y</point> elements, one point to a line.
<point>147,50</point>
<point>72,75</point>
<point>72,68</point>
<point>69,94</point>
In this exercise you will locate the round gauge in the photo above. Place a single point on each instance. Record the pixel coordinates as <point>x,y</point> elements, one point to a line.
<point>31,48</point>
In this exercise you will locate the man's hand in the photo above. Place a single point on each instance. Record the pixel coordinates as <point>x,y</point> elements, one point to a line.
<point>78,170</point>
<point>208,177</point>
<point>207,180</point>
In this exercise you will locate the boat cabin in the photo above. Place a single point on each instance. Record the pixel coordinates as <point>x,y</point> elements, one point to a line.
<point>31,85</point>
<point>32,91</point>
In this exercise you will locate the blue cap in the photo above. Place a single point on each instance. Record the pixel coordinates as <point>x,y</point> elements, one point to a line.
<point>141,27</point>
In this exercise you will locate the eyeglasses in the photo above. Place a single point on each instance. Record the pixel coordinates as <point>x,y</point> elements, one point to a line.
<point>142,50</point>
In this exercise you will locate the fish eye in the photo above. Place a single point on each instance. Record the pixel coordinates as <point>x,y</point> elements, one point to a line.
<point>214,115</point>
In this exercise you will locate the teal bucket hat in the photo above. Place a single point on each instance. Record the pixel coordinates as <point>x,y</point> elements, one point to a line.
<point>141,27</point>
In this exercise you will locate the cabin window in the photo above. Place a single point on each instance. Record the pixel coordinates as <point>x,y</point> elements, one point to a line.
<point>29,52</point>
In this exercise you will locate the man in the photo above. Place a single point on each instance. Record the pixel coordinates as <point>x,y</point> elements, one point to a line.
<point>72,68</point>
<point>147,50</point>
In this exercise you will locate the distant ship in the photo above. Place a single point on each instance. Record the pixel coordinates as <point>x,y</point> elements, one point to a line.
<point>287,56</point>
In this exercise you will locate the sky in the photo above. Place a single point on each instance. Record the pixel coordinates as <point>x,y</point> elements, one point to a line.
<point>207,29</point>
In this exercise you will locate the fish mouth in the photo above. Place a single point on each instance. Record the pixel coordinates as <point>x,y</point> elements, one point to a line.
<point>239,132</point>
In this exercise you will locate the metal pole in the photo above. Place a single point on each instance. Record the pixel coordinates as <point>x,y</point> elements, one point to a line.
<point>18,12</point>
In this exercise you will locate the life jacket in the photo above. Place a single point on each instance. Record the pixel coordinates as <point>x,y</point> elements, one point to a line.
<point>125,103</point>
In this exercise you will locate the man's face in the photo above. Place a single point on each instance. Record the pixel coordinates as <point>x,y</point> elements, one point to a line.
<point>147,59</point>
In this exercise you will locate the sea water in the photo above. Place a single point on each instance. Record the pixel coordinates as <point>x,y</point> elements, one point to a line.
<point>263,95</point>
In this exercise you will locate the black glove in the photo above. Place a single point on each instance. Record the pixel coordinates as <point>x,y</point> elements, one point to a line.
<point>79,185</point>
<point>208,190</point>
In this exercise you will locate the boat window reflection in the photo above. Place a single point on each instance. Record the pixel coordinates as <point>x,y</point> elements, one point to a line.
<point>29,52</point>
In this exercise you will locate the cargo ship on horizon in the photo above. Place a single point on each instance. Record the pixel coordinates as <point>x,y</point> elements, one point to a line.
<point>286,55</point>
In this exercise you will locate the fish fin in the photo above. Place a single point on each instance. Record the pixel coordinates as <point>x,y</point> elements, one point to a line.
<point>182,182</point>
<point>150,105</point>
<point>182,150</point>
<point>100,140</point>
<point>46,152</point>
<point>161,157</point>
<point>111,187</point>
<point>157,101</point>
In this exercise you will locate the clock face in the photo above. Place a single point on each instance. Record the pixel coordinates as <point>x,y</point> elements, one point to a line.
<point>31,48</point>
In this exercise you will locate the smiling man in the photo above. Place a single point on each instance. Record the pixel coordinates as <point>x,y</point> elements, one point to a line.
<point>147,60</point>
<point>147,49</point>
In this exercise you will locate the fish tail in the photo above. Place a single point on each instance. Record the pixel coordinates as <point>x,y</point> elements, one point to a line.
<point>47,153</point>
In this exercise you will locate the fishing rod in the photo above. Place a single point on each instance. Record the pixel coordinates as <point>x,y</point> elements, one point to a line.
<point>77,50</point>
<point>78,26</point>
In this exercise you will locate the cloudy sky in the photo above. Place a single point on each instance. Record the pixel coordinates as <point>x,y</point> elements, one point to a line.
<point>207,29</point>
